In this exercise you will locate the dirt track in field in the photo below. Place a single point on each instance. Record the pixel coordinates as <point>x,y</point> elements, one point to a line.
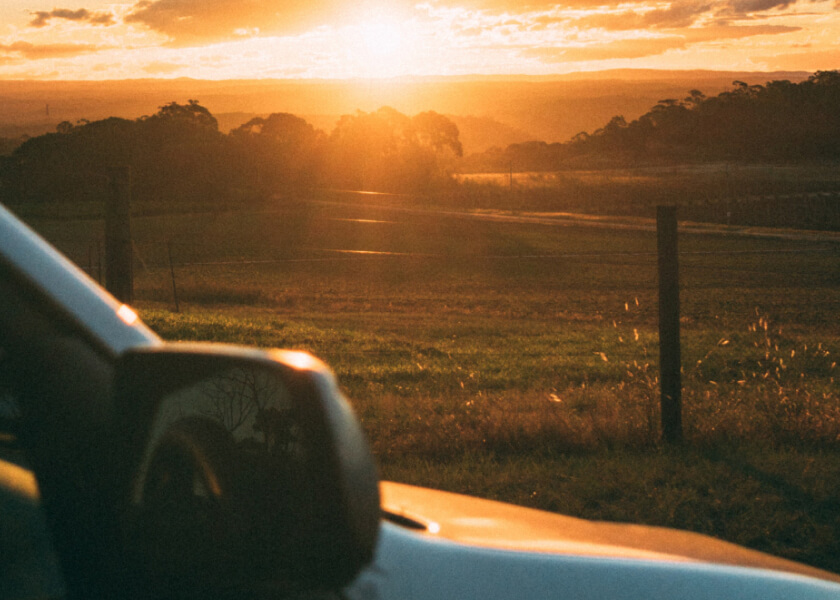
<point>565,219</point>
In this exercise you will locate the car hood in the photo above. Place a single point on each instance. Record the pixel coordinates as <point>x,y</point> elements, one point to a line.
<point>488,524</point>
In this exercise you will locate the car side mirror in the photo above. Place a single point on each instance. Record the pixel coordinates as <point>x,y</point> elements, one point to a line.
<point>240,470</point>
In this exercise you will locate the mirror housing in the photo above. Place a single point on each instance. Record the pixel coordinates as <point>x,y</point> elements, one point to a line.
<point>240,470</point>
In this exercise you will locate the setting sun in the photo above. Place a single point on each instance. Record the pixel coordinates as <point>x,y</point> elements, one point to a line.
<point>382,47</point>
<point>382,39</point>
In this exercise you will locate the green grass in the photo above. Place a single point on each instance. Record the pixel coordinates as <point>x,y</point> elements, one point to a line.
<point>475,368</point>
<point>443,386</point>
<point>543,421</point>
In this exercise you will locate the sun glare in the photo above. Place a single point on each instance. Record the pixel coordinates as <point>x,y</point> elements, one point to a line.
<point>382,47</point>
<point>381,39</point>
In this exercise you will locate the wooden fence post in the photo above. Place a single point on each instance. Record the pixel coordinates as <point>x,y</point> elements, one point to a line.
<point>172,273</point>
<point>669,324</point>
<point>119,275</point>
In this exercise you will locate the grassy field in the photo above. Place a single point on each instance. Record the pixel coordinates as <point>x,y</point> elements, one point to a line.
<point>519,361</point>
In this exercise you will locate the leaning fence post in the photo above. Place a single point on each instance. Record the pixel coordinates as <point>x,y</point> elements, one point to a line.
<point>669,324</point>
<point>119,275</point>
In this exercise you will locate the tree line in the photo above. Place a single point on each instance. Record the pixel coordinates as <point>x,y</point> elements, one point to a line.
<point>778,121</point>
<point>179,155</point>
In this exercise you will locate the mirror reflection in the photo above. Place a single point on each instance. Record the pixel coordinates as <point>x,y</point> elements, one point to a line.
<point>222,477</point>
<point>246,410</point>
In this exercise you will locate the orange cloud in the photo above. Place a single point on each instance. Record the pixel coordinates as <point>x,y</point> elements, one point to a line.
<point>642,47</point>
<point>679,14</point>
<point>732,32</point>
<point>738,7</point>
<point>808,61</point>
<point>203,21</point>
<point>631,48</point>
<point>514,7</point>
<point>42,18</point>
<point>641,15</point>
<point>676,16</point>
<point>33,51</point>
<point>746,7</point>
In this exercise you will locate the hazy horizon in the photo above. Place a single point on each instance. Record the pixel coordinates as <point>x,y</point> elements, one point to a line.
<point>630,73</point>
<point>489,111</point>
<point>509,70</point>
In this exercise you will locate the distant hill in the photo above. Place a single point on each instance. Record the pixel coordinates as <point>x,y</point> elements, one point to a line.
<point>482,133</point>
<point>490,110</point>
<point>779,121</point>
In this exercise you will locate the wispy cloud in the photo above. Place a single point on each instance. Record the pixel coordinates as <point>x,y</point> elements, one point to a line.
<point>43,18</point>
<point>513,7</point>
<point>678,14</point>
<point>734,32</point>
<point>747,7</point>
<point>808,60</point>
<point>327,38</point>
<point>203,21</point>
<point>36,51</point>
<point>628,48</point>
<point>640,47</point>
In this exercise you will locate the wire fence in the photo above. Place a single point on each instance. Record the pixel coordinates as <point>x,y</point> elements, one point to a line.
<point>85,252</point>
<point>347,259</point>
<point>172,245</point>
<point>180,264</point>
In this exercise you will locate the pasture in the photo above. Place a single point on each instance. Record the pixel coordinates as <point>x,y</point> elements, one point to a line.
<point>519,360</point>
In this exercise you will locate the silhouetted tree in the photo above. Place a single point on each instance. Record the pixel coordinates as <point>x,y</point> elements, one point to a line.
<point>182,156</point>
<point>9,145</point>
<point>389,151</point>
<point>192,112</point>
<point>777,121</point>
<point>176,155</point>
<point>437,132</point>
<point>279,151</point>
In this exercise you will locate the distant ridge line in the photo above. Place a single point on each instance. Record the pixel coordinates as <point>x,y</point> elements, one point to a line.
<point>623,74</point>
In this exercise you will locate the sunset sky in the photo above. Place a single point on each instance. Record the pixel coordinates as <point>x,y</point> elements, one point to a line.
<point>241,39</point>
